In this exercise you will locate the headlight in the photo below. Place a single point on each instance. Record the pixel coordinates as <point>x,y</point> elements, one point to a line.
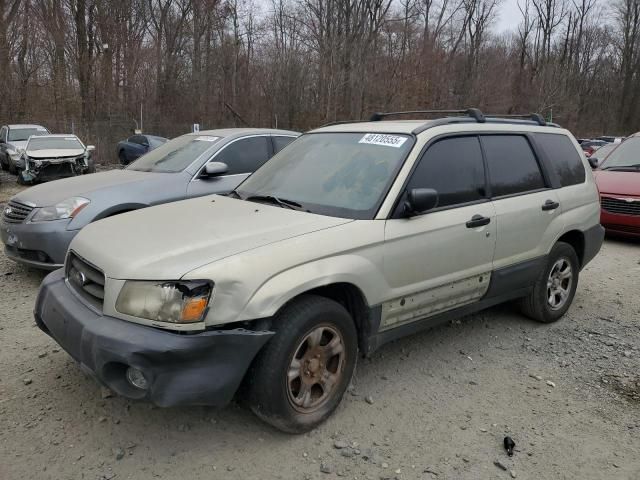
<point>68,208</point>
<point>174,302</point>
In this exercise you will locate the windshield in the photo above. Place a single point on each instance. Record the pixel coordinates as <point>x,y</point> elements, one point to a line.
<point>337,174</point>
<point>602,152</point>
<point>175,155</point>
<point>23,134</point>
<point>50,143</point>
<point>625,156</point>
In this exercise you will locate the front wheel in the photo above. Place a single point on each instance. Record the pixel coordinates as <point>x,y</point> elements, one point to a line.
<point>299,378</point>
<point>554,290</point>
<point>122,157</point>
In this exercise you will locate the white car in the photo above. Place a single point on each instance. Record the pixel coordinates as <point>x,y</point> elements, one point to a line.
<point>50,157</point>
<point>354,235</point>
<point>13,139</point>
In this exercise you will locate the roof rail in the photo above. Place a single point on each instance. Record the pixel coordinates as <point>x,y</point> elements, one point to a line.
<point>471,112</point>
<point>461,116</point>
<point>536,117</point>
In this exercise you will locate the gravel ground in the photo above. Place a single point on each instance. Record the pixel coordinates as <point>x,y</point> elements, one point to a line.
<point>435,405</point>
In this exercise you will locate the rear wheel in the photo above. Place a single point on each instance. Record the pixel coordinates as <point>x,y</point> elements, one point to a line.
<point>299,378</point>
<point>122,157</point>
<point>556,286</point>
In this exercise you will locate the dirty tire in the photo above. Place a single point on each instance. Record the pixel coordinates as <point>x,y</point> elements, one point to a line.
<point>269,389</point>
<point>12,168</point>
<point>3,165</point>
<point>536,305</point>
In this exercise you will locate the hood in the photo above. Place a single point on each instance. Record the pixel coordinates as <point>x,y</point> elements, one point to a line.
<point>168,241</point>
<point>50,193</point>
<point>16,144</point>
<point>620,183</point>
<point>55,152</point>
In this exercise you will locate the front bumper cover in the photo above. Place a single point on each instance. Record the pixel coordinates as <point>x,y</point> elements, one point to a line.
<point>40,245</point>
<point>193,369</point>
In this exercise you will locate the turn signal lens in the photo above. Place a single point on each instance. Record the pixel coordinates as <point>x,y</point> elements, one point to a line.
<point>193,309</point>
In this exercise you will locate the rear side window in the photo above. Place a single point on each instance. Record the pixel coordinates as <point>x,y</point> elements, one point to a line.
<point>454,168</point>
<point>564,160</point>
<point>513,167</point>
<point>280,142</point>
<point>245,155</point>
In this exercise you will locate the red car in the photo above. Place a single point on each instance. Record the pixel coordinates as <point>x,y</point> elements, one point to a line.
<point>618,179</point>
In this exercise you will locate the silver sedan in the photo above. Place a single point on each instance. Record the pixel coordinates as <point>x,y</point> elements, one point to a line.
<point>38,224</point>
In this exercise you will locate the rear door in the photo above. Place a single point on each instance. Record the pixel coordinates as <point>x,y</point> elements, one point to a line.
<point>243,156</point>
<point>527,208</point>
<point>442,259</point>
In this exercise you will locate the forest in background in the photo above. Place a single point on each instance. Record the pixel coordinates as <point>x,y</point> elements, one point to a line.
<point>100,67</point>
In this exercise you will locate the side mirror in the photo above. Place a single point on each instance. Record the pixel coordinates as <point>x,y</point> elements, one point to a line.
<point>593,162</point>
<point>91,148</point>
<point>213,169</point>
<point>420,200</point>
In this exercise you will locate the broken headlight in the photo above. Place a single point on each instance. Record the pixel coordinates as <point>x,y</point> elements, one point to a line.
<point>173,302</point>
<point>66,209</point>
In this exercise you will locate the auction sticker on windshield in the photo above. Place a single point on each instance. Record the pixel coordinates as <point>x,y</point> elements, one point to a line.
<point>383,139</point>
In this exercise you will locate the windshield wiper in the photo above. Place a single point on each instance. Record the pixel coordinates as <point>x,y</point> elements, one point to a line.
<point>282,202</point>
<point>623,168</point>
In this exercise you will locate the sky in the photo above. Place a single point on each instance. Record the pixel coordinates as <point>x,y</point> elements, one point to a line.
<point>508,16</point>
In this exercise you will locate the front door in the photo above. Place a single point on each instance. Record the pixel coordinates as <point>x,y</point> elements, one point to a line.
<point>442,259</point>
<point>242,156</point>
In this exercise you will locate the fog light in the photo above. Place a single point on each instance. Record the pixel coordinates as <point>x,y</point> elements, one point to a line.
<point>137,378</point>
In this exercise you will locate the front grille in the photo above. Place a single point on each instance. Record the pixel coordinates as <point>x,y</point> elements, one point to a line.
<point>620,207</point>
<point>16,212</point>
<point>86,280</point>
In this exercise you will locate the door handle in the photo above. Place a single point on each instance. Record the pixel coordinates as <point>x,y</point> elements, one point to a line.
<point>478,221</point>
<point>550,205</point>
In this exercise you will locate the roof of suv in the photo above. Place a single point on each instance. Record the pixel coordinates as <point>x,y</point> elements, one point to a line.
<point>471,116</point>
<point>418,126</point>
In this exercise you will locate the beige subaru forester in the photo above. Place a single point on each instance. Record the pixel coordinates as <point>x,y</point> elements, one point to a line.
<point>354,235</point>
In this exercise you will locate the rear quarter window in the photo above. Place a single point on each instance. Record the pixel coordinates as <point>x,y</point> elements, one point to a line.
<point>564,159</point>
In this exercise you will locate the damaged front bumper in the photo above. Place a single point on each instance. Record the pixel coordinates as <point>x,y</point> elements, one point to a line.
<point>180,369</point>
<point>36,170</point>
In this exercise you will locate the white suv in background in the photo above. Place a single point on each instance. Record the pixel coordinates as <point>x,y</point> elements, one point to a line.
<point>354,235</point>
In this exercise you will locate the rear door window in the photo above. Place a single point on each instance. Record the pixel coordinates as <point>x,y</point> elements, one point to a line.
<point>563,157</point>
<point>454,168</point>
<point>513,167</point>
<point>245,155</point>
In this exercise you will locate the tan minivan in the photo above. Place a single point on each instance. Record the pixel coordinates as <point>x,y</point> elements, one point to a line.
<point>352,236</point>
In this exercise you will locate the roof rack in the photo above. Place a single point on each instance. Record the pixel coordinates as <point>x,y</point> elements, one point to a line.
<point>536,117</point>
<point>457,116</point>
<point>470,112</point>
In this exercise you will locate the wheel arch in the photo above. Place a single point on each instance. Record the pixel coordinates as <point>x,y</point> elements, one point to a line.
<point>353,300</point>
<point>576,239</point>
